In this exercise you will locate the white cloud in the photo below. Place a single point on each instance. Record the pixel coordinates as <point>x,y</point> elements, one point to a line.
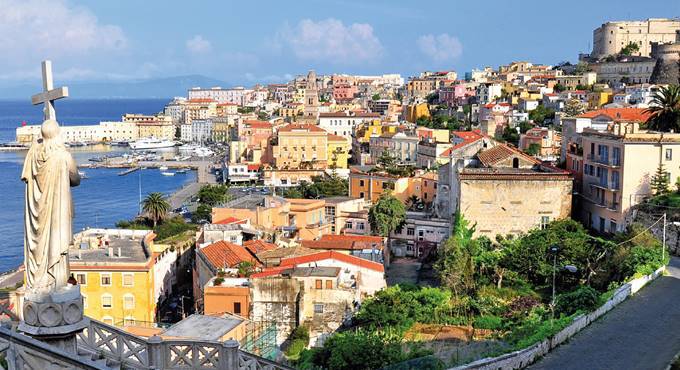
<point>332,41</point>
<point>198,44</point>
<point>440,48</point>
<point>33,29</point>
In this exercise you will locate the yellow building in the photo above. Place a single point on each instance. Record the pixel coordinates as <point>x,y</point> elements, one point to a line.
<point>291,110</point>
<point>374,128</point>
<point>597,99</point>
<point>301,146</point>
<point>338,151</point>
<point>121,273</point>
<point>414,111</point>
<point>158,126</point>
<point>370,185</point>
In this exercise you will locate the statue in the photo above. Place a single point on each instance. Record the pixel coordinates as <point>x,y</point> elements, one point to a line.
<point>49,172</point>
<point>53,306</point>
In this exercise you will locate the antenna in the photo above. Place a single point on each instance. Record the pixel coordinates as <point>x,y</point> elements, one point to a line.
<point>140,191</point>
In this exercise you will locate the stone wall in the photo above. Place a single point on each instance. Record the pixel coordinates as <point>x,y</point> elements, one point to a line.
<point>672,231</point>
<point>523,358</point>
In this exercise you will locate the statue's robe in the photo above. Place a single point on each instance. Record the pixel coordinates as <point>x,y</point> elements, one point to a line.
<point>49,172</point>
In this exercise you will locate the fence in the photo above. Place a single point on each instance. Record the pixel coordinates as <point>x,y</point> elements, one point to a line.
<point>523,358</point>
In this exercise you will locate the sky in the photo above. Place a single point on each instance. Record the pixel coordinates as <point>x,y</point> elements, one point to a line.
<point>248,42</point>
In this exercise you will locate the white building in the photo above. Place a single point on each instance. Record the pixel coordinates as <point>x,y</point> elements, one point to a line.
<point>185,133</point>
<point>488,92</point>
<point>175,109</point>
<point>235,95</point>
<point>201,130</point>
<point>344,123</point>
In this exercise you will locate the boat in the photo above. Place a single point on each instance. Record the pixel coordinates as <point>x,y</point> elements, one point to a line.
<point>151,143</point>
<point>168,173</point>
<point>77,143</point>
<point>82,175</point>
<point>163,168</point>
<point>203,152</point>
<point>119,143</point>
<point>182,171</point>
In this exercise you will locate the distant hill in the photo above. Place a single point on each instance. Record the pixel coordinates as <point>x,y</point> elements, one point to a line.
<point>152,88</point>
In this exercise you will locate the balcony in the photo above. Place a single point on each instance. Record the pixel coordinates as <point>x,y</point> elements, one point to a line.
<point>605,161</point>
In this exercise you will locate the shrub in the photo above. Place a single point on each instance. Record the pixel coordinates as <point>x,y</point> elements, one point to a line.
<point>488,322</point>
<point>584,298</point>
<point>295,349</point>
<point>218,281</point>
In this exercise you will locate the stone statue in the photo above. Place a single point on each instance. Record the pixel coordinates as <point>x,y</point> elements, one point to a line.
<point>52,307</point>
<point>49,172</point>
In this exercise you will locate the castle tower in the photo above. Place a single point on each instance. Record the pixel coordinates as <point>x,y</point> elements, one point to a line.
<point>311,110</point>
<point>667,68</point>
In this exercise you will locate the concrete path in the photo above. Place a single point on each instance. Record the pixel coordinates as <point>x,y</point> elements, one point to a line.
<point>641,333</point>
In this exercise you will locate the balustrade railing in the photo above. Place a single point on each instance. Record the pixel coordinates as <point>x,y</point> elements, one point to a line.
<point>137,353</point>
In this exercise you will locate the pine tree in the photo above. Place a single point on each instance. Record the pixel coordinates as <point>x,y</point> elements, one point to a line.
<point>660,181</point>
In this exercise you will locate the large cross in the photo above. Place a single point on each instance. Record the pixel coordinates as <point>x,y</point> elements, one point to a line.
<point>49,94</point>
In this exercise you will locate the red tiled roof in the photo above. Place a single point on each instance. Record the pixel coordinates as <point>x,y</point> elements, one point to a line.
<point>226,104</point>
<point>294,261</point>
<point>257,124</point>
<point>467,136</point>
<point>257,246</point>
<point>491,105</point>
<point>230,220</point>
<point>297,126</point>
<point>500,152</point>
<point>254,167</point>
<point>224,254</point>
<point>201,100</point>
<point>332,137</point>
<point>344,242</point>
<point>619,114</point>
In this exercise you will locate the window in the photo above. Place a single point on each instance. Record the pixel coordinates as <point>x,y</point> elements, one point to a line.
<point>129,321</point>
<point>128,302</point>
<point>669,154</point>
<point>361,183</point>
<point>128,279</point>
<point>410,231</point>
<point>612,226</point>
<point>81,278</point>
<point>329,284</point>
<point>348,225</point>
<point>318,308</point>
<point>360,225</point>
<point>237,308</point>
<point>319,284</point>
<point>84,300</point>
<point>105,279</point>
<point>107,301</point>
<point>515,163</point>
<point>545,220</point>
<point>107,320</point>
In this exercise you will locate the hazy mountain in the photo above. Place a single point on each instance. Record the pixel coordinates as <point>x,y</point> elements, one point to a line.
<point>152,88</point>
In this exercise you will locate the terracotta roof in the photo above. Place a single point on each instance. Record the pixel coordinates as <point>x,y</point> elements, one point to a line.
<point>257,124</point>
<point>294,261</point>
<point>467,136</point>
<point>344,242</point>
<point>297,126</point>
<point>332,137</point>
<point>619,114</point>
<point>201,100</point>
<point>254,167</point>
<point>225,254</point>
<point>345,115</point>
<point>491,105</point>
<point>230,220</point>
<point>257,246</point>
<point>501,152</point>
<point>285,252</point>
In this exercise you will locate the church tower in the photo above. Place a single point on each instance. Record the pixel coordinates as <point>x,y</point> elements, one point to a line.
<point>311,111</point>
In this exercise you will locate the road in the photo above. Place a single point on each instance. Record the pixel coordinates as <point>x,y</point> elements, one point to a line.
<point>641,333</point>
<point>184,194</point>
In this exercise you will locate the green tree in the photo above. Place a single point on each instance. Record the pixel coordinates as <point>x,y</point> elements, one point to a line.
<point>541,113</point>
<point>213,195</point>
<point>156,207</point>
<point>375,97</point>
<point>510,135</point>
<point>386,215</point>
<point>664,110</point>
<point>573,108</point>
<point>412,201</point>
<point>387,160</point>
<point>630,49</point>
<point>581,68</point>
<point>660,181</point>
<point>559,88</point>
<point>534,149</point>
<point>455,263</point>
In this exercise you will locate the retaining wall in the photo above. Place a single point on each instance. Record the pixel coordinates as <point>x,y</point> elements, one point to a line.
<point>523,358</point>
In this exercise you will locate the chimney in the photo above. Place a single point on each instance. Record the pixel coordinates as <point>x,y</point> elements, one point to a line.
<point>110,253</point>
<point>119,253</point>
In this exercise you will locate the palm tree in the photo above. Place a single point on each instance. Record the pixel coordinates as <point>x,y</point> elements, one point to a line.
<point>664,109</point>
<point>412,201</point>
<point>156,206</point>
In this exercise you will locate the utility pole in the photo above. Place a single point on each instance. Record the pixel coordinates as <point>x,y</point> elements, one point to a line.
<point>663,245</point>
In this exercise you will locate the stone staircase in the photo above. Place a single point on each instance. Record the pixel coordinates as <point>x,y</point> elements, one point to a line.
<point>100,360</point>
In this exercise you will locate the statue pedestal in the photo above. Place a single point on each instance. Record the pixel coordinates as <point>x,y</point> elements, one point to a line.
<point>54,317</point>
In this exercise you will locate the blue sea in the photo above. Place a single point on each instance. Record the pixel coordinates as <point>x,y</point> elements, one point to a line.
<point>102,199</point>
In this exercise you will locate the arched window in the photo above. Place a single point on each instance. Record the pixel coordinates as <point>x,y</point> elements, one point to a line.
<point>515,162</point>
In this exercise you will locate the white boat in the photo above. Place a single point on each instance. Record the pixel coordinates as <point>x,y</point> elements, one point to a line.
<point>188,147</point>
<point>151,143</point>
<point>163,168</point>
<point>168,173</point>
<point>203,152</point>
<point>82,174</point>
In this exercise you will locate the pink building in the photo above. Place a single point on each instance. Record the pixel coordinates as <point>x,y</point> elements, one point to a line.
<point>457,94</point>
<point>344,92</point>
<point>255,133</point>
<point>486,110</point>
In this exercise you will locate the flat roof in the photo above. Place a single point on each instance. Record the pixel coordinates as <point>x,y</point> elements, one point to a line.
<point>92,248</point>
<point>204,327</point>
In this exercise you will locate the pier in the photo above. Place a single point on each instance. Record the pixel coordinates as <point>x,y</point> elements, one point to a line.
<point>128,171</point>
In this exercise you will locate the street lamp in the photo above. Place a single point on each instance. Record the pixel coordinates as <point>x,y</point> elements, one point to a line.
<point>569,268</point>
